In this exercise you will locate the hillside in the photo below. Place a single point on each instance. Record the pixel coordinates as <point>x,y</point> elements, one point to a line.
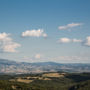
<point>46,81</point>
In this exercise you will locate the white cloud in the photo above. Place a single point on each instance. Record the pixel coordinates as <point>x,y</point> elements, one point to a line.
<point>68,40</point>
<point>69,26</point>
<point>38,56</point>
<point>7,44</point>
<point>64,40</point>
<point>34,33</point>
<point>76,40</point>
<point>86,42</point>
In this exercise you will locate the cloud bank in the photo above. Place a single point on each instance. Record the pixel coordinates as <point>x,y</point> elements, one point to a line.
<point>85,42</point>
<point>7,44</point>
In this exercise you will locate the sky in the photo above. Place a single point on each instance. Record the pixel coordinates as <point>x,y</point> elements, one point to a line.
<point>45,30</point>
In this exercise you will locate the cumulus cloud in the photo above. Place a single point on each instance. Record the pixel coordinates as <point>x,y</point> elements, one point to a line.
<point>68,40</point>
<point>69,26</point>
<point>64,40</point>
<point>7,44</point>
<point>38,56</point>
<point>34,33</point>
<point>86,42</point>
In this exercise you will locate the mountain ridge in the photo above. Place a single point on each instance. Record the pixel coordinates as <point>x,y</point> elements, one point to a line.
<point>9,67</point>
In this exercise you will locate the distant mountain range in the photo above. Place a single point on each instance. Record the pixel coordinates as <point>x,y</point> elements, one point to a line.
<point>13,67</point>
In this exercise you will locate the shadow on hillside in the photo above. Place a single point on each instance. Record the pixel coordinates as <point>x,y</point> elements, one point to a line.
<point>79,77</point>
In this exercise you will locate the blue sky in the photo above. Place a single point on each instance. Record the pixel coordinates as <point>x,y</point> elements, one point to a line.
<point>45,30</point>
